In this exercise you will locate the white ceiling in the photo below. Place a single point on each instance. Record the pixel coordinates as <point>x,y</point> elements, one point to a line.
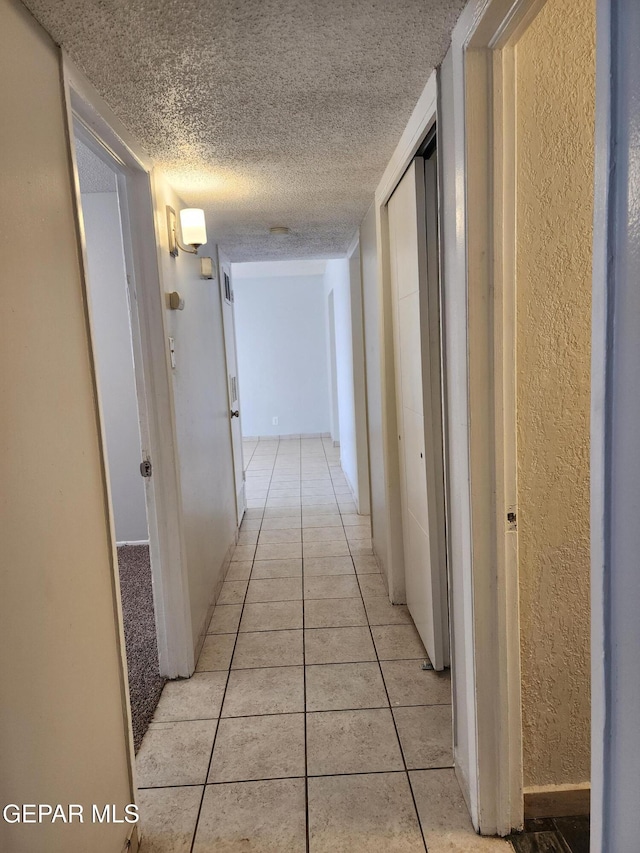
<point>264,112</point>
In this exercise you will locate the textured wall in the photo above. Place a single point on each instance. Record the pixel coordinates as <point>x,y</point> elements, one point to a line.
<point>555,84</point>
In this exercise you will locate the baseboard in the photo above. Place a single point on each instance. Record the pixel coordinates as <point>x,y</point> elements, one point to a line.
<point>557,801</point>
<point>133,542</point>
<point>336,444</point>
<point>292,436</point>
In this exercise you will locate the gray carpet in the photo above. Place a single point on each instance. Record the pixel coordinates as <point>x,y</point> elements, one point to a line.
<point>145,682</point>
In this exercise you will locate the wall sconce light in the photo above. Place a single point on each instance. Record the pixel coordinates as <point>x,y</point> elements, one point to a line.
<point>194,230</point>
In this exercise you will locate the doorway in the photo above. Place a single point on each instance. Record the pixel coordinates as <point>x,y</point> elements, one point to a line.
<point>115,337</point>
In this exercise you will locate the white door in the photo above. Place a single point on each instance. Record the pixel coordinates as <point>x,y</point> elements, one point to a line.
<point>416,325</point>
<point>226,298</point>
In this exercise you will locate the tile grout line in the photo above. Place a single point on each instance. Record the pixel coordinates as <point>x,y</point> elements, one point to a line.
<point>222,701</point>
<point>304,681</point>
<point>395,727</point>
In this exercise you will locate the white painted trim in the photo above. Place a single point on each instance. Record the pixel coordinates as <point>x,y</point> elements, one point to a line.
<point>354,244</point>
<point>134,542</point>
<point>153,377</point>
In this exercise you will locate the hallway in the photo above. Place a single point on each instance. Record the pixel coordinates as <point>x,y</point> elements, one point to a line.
<point>331,734</point>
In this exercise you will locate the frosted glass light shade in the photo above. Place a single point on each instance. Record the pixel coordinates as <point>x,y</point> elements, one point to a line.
<point>194,230</point>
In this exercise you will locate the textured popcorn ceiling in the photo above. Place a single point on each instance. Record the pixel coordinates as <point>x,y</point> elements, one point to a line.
<point>264,112</point>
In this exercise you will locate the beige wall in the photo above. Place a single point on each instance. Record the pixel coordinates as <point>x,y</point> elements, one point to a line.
<point>202,416</point>
<point>63,731</point>
<point>555,127</point>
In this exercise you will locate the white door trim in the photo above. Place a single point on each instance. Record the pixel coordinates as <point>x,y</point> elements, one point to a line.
<point>164,497</point>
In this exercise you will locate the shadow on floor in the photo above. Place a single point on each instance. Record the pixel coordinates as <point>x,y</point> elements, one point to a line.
<point>145,682</point>
<point>553,835</point>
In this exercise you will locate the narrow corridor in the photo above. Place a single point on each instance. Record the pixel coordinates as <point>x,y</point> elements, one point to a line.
<point>310,722</point>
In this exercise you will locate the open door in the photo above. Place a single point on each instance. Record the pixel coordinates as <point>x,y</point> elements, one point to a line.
<point>228,320</point>
<point>417,358</point>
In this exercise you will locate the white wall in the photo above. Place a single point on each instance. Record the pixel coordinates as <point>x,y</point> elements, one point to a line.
<point>371,316</point>
<point>337,280</point>
<point>202,417</point>
<point>63,721</point>
<point>111,332</point>
<point>281,333</point>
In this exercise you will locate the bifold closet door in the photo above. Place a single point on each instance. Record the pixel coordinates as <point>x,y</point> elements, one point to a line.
<point>416,325</point>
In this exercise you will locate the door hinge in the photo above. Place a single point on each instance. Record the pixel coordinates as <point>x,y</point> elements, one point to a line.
<point>146,468</point>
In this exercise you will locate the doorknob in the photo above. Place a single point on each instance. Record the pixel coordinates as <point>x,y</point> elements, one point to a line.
<point>235,414</point>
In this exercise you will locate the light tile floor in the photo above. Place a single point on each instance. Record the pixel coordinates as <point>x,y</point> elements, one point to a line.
<point>310,724</point>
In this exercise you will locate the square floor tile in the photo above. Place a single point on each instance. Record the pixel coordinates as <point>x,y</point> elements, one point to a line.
<point>268,648</point>
<point>243,552</point>
<point>408,684</point>
<point>444,816</point>
<point>342,686</point>
<point>251,524</point>
<point>352,520</point>
<point>334,613</point>
<point>168,818</point>
<point>335,548</point>
<point>309,510</point>
<point>249,748</point>
<point>323,534</point>
<point>361,549</point>
<point>232,592</point>
<point>398,642</point>
<point>239,571</point>
<point>281,536</point>
<point>325,520</point>
<point>363,814</point>
<point>283,502</point>
<point>380,611</point>
<point>175,753</point>
<point>282,512</point>
<point>288,551</point>
<point>251,514</point>
<point>358,533</point>
<point>225,619</point>
<point>328,566</point>
<point>253,817</point>
<point>338,645</point>
<point>273,690</point>
<point>352,742</point>
<point>274,589</point>
<point>336,586</point>
<point>281,524</point>
<point>426,735</point>
<point>277,569</point>
<point>256,503</point>
<point>366,565</point>
<point>216,652</point>
<point>248,537</point>
<point>196,698</point>
<point>372,586</point>
<point>287,492</point>
<point>271,616</point>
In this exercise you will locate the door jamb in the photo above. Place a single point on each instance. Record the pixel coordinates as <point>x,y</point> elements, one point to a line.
<point>170,581</point>
<point>490,116</point>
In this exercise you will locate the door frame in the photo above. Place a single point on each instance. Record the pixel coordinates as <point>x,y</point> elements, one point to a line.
<point>153,373</point>
<point>490,141</point>
<point>224,264</point>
